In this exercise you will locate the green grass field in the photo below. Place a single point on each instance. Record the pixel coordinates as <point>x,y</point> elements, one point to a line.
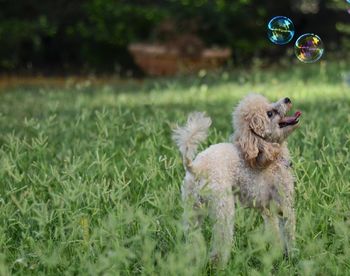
<point>90,179</point>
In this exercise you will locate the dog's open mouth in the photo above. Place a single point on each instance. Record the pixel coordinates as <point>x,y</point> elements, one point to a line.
<point>290,120</point>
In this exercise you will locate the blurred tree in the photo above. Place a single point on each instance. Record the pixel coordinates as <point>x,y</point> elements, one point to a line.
<point>342,25</point>
<point>92,35</point>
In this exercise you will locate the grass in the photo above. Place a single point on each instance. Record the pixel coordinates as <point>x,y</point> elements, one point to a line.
<point>90,179</point>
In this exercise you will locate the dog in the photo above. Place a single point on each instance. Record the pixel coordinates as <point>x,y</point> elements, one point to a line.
<point>254,168</point>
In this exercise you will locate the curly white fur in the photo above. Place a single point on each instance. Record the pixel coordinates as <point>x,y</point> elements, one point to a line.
<point>255,166</point>
<point>187,138</point>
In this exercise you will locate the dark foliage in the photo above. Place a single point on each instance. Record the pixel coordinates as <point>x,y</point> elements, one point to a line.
<point>92,35</point>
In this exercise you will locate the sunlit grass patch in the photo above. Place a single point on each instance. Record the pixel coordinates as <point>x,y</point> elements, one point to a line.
<point>90,179</point>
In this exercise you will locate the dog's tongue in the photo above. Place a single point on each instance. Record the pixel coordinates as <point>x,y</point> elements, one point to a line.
<point>291,119</point>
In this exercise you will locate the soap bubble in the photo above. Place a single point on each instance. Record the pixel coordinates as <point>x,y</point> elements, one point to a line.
<point>280,30</point>
<point>309,48</point>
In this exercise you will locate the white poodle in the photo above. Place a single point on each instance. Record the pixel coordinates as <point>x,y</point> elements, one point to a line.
<point>255,166</point>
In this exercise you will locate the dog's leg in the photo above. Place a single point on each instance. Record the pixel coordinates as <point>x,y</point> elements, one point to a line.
<point>193,207</point>
<point>272,225</point>
<point>283,227</point>
<point>192,218</point>
<point>222,213</point>
<point>193,215</point>
<point>287,230</point>
<point>286,218</point>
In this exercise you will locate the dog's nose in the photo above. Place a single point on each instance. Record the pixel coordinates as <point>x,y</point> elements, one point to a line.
<point>287,100</point>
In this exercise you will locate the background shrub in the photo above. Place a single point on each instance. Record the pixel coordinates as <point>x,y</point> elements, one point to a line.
<point>92,35</point>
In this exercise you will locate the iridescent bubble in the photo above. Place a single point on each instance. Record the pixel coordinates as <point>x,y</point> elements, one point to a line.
<point>309,48</point>
<point>280,30</point>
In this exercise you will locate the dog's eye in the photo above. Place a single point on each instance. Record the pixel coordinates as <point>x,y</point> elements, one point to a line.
<point>269,114</point>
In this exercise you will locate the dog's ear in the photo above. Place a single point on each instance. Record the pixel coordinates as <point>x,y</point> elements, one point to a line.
<point>249,145</point>
<point>253,125</point>
<point>258,124</point>
<point>257,152</point>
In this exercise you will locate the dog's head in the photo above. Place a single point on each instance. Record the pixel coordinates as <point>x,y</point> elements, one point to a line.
<point>261,127</point>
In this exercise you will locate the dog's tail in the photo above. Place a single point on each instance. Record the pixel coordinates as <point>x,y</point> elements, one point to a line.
<point>188,137</point>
